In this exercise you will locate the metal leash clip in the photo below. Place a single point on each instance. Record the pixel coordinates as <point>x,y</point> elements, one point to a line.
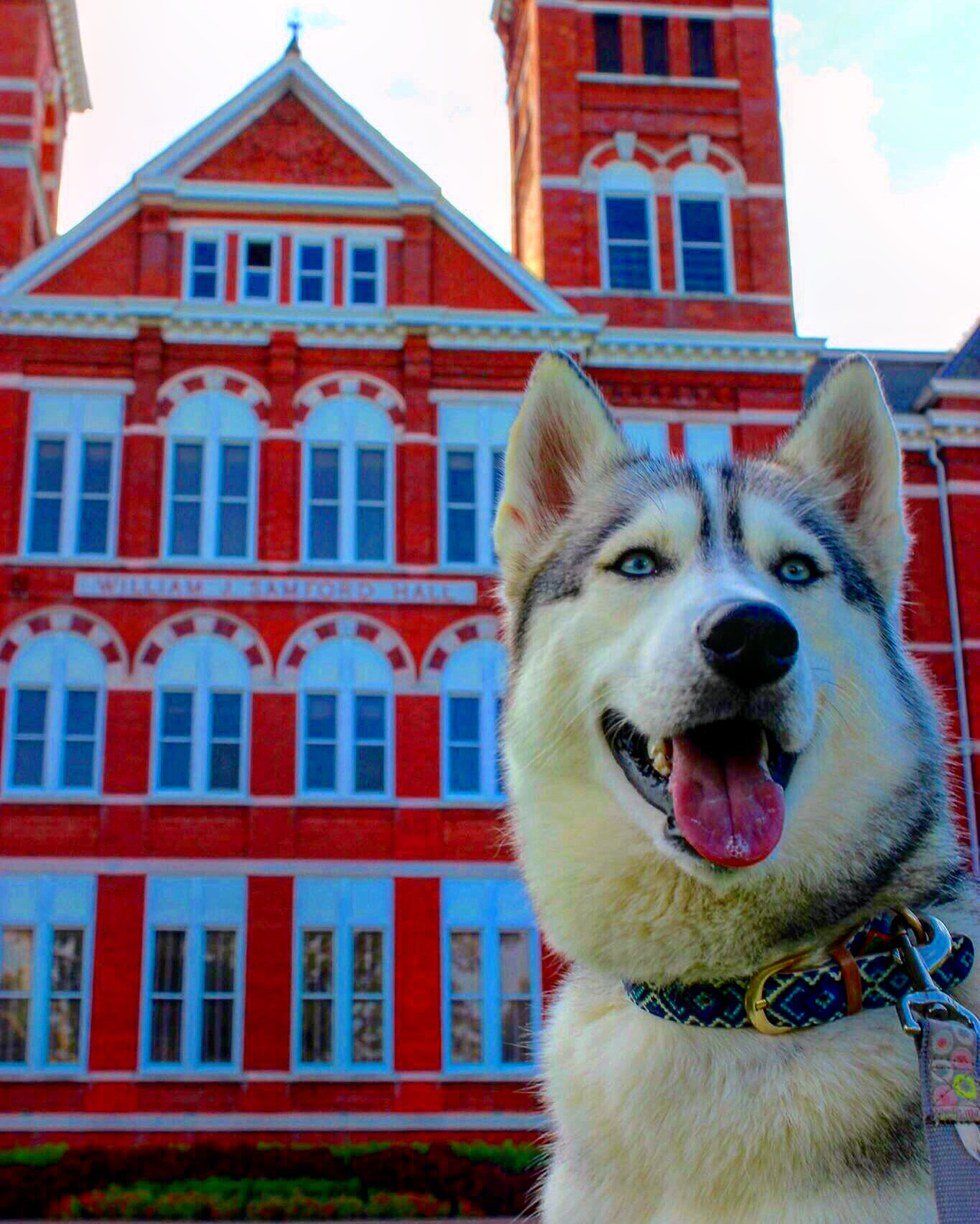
<point>931,945</point>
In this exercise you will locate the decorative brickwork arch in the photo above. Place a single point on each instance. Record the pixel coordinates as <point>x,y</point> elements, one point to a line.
<point>212,378</point>
<point>473,629</point>
<point>702,151</point>
<point>93,629</point>
<point>348,625</point>
<point>623,148</point>
<point>204,622</point>
<point>350,383</point>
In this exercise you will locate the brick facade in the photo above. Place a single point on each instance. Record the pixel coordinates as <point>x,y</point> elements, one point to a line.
<point>105,321</point>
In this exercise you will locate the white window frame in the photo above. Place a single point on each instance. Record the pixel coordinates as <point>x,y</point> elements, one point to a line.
<point>482,428</point>
<point>350,242</point>
<point>212,436</point>
<point>193,905</point>
<point>340,414</point>
<point>202,688</point>
<point>703,183</point>
<point>345,688</point>
<point>73,418</point>
<point>344,907</point>
<point>490,908</point>
<point>44,903</point>
<point>326,244</point>
<point>610,191</point>
<point>490,658</point>
<point>56,684</point>
<point>275,242</point>
<point>206,235</point>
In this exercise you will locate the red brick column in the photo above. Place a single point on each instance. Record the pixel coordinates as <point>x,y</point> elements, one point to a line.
<point>273,759</point>
<point>416,475</point>
<point>118,977</point>
<point>14,408</point>
<point>127,737</point>
<point>268,974</point>
<point>279,471</point>
<point>418,975</point>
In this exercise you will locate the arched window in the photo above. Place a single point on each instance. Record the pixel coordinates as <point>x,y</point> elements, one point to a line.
<point>347,482</point>
<point>473,687</point>
<point>627,225</point>
<point>703,231</point>
<point>201,719</point>
<point>56,715</point>
<point>345,721</point>
<point>211,478</point>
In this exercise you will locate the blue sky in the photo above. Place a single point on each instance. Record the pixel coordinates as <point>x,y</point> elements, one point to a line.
<point>880,103</point>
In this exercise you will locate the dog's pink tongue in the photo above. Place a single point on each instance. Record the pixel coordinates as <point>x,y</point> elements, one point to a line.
<point>725,804</point>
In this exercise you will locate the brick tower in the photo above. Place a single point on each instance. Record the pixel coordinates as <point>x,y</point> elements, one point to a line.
<point>42,79</point>
<point>646,159</point>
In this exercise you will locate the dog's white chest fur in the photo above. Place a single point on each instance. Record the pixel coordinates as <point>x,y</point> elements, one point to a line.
<point>662,1123</point>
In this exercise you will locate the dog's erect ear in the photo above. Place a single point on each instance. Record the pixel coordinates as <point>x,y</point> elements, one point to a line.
<point>563,434</point>
<point>846,438</point>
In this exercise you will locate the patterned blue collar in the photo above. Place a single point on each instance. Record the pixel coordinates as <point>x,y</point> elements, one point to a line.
<point>861,972</point>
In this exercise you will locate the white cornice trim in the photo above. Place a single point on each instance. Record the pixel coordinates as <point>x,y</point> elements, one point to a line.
<point>44,382</point>
<point>350,1120</point>
<point>68,43</point>
<point>957,388</point>
<point>647,10</point>
<point>676,349</point>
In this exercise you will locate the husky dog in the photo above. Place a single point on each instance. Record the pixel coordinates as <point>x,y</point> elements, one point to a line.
<point>718,753</point>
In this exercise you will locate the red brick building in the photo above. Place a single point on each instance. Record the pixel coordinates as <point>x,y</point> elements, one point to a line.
<point>252,410</point>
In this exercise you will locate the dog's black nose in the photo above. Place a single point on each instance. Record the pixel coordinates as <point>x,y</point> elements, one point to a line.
<point>751,644</point>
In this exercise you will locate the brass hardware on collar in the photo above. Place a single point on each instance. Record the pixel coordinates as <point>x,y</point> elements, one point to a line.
<point>755,1001</point>
<point>913,922</point>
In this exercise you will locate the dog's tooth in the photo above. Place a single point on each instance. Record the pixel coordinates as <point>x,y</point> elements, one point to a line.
<point>658,757</point>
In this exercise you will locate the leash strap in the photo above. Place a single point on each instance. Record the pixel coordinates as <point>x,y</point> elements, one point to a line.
<point>949,1068</point>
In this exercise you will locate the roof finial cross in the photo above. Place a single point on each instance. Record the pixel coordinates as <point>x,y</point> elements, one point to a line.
<point>295,25</point>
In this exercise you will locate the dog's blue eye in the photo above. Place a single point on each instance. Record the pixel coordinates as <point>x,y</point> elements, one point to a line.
<point>638,563</point>
<point>797,570</point>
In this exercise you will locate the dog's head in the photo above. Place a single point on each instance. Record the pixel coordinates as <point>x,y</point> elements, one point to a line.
<point>711,720</point>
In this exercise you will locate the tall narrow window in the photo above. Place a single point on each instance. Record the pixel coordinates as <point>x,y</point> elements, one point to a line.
<point>193,970</point>
<point>703,255</point>
<point>204,270</point>
<point>608,43</point>
<point>317,1001</point>
<point>201,718</point>
<point>515,997</point>
<point>57,687</point>
<point>473,682</point>
<point>466,997</point>
<point>167,999</point>
<point>343,996</point>
<point>345,728</point>
<point>212,457</point>
<point>233,500</point>
<point>629,255</point>
<point>47,497</point>
<point>364,274</point>
<point>218,1000</point>
<point>492,989</point>
<point>312,273</point>
<point>44,935</point>
<point>474,445</point>
<point>16,973</point>
<point>655,50</point>
<point>701,36</point>
<point>347,473</point>
<point>70,474</point>
<point>258,279</point>
<point>367,1003</point>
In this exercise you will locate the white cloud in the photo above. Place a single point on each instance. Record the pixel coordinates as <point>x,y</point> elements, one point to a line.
<point>874,265</point>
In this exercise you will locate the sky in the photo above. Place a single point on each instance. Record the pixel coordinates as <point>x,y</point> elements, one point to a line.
<point>880,107</point>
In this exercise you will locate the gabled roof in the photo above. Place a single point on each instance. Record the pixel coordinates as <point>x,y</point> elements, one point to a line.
<point>168,176</point>
<point>965,362</point>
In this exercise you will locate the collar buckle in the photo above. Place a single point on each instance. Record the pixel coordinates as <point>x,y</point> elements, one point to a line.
<point>755,1001</point>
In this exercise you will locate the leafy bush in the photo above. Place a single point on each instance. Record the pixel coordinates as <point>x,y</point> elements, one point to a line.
<point>213,1181</point>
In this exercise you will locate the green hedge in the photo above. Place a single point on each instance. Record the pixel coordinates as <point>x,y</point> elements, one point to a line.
<point>268,1181</point>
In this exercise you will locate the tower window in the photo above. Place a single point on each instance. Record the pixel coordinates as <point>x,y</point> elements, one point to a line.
<point>628,249</point>
<point>703,251</point>
<point>608,43</point>
<point>655,60</point>
<point>701,36</point>
<point>258,270</point>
